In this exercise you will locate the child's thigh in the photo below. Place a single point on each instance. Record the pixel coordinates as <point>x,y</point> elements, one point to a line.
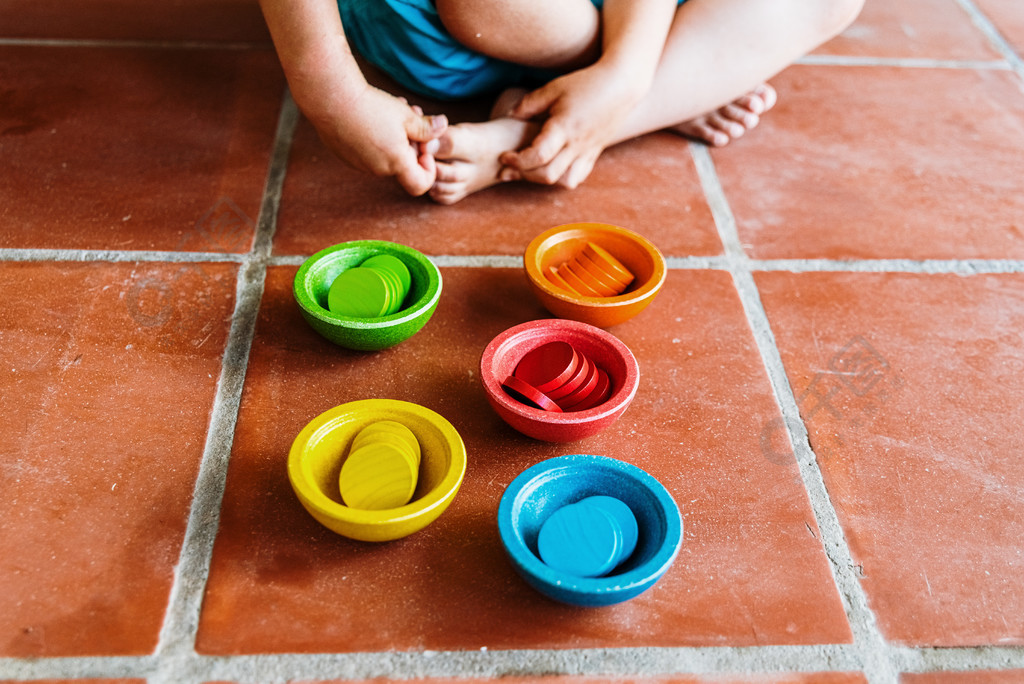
<point>535,33</point>
<point>407,40</point>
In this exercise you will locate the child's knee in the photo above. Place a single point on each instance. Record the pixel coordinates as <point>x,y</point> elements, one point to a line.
<point>839,14</point>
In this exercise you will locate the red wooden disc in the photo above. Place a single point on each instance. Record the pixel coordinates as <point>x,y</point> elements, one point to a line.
<point>599,395</point>
<point>582,392</point>
<point>573,383</point>
<point>549,366</point>
<point>528,394</point>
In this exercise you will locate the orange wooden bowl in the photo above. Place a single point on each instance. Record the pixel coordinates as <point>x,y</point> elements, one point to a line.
<point>557,245</point>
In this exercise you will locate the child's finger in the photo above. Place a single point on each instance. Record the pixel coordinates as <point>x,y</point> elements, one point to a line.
<point>416,180</point>
<point>579,170</point>
<point>550,173</point>
<point>425,128</point>
<point>542,151</point>
<point>535,103</point>
<point>418,172</point>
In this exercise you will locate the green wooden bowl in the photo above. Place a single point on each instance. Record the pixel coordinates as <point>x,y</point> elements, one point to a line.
<point>313,282</point>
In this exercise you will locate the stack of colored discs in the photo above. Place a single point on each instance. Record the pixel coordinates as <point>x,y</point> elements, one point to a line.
<point>593,272</point>
<point>375,288</point>
<point>558,377</point>
<point>382,467</point>
<point>589,538</point>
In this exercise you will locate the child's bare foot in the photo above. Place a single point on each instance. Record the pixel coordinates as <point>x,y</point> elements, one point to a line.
<point>467,156</point>
<point>727,123</point>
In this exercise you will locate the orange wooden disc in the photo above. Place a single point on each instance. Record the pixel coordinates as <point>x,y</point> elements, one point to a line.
<point>607,262</point>
<point>586,276</point>
<point>559,281</point>
<point>576,283</point>
<point>607,279</point>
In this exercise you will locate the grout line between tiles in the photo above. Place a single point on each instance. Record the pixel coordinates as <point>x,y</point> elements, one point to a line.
<point>113,255</point>
<point>957,659</point>
<point>995,38</point>
<point>963,267</point>
<point>934,266</point>
<point>610,661</point>
<point>286,667</point>
<point>175,650</point>
<point>868,639</point>
<point>905,62</point>
<point>135,44</point>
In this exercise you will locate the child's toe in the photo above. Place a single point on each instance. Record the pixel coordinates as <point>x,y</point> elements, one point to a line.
<point>740,115</point>
<point>730,128</point>
<point>767,95</point>
<point>451,173</point>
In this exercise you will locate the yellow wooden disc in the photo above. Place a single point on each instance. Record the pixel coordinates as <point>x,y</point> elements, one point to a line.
<point>389,431</point>
<point>377,476</point>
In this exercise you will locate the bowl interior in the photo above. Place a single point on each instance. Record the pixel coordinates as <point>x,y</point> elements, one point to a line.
<point>579,477</point>
<point>557,245</point>
<point>319,271</point>
<point>601,347</point>
<point>320,450</point>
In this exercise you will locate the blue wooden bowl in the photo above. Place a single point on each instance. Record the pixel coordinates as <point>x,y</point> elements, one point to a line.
<point>542,489</point>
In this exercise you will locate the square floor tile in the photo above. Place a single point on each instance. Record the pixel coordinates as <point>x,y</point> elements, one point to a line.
<point>109,376</point>
<point>135,148</point>
<point>860,163</point>
<point>649,185</point>
<point>751,570</point>
<point>1008,18</point>
<point>980,677</point>
<point>192,20</point>
<point>921,29</point>
<point>912,388</point>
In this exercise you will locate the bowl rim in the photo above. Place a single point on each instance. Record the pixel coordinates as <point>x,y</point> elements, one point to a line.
<point>313,498</point>
<point>304,296</point>
<point>621,396</point>
<point>636,578</point>
<point>653,284</point>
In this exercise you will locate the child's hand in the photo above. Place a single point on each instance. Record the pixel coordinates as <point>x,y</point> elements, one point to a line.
<point>383,135</point>
<point>584,111</point>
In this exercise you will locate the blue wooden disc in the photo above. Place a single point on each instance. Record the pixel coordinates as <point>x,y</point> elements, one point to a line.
<point>583,541</point>
<point>623,514</point>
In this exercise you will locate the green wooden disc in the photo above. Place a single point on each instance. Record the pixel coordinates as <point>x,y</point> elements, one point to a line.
<point>359,293</point>
<point>394,265</point>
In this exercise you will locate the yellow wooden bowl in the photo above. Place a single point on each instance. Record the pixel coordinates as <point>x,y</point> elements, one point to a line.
<point>320,448</point>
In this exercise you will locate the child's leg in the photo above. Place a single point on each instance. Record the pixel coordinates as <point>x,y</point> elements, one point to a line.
<point>718,52</point>
<point>561,35</point>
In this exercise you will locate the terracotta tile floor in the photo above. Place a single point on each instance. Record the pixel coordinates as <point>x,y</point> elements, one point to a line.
<point>832,378</point>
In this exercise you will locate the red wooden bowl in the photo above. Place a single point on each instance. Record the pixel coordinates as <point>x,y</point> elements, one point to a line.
<point>557,245</point>
<point>504,352</point>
